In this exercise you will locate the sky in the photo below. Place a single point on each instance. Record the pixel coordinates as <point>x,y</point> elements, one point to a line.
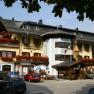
<point>68,20</point>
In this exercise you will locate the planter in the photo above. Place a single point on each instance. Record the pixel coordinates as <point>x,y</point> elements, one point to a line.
<point>87,60</point>
<point>22,58</point>
<point>39,58</point>
<point>7,40</point>
<point>90,76</point>
<point>9,59</point>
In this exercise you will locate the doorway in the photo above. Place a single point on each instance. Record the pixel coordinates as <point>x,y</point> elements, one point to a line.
<point>6,68</point>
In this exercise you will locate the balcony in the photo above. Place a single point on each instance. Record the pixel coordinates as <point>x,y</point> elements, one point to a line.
<point>86,60</point>
<point>39,58</point>
<point>7,59</point>
<point>33,59</point>
<point>23,58</point>
<point>8,42</point>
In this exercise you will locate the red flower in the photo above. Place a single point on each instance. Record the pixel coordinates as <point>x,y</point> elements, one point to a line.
<point>86,60</point>
<point>39,58</point>
<point>7,40</point>
<point>7,59</point>
<point>18,57</point>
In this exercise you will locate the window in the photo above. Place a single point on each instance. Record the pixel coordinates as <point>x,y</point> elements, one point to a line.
<point>8,53</point>
<point>86,57</point>
<point>80,47</point>
<point>86,47</point>
<point>62,45</point>
<point>59,57</point>
<point>4,54</point>
<point>37,54</point>
<point>37,42</point>
<point>25,54</point>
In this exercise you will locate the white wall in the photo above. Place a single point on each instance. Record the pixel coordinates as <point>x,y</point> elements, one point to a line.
<point>7,63</point>
<point>50,50</point>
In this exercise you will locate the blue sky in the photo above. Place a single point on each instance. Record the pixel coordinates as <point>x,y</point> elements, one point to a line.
<point>67,20</point>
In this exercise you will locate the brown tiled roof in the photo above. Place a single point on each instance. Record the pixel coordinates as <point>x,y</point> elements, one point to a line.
<point>11,26</point>
<point>63,64</point>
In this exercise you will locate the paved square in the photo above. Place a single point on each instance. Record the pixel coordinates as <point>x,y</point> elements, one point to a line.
<point>60,87</point>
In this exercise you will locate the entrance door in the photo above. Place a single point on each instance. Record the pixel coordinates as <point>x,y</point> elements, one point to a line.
<point>6,68</point>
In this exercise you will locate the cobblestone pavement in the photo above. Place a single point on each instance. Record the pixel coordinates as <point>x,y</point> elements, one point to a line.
<point>60,87</point>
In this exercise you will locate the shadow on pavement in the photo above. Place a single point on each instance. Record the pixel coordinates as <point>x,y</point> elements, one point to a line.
<point>88,89</point>
<point>37,89</point>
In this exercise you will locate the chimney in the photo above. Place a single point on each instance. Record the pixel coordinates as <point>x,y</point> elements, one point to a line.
<point>77,28</point>
<point>13,19</point>
<point>40,21</point>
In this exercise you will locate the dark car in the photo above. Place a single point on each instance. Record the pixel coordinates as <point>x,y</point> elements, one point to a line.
<point>34,77</point>
<point>12,85</point>
<point>91,91</point>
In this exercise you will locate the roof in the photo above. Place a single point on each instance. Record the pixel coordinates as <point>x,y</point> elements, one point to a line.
<point>57,33</point>
<point>19,23</point>
<point>59,27</point>
<point>14,26</point>
<point>11,26</point>
<point>63,64</point>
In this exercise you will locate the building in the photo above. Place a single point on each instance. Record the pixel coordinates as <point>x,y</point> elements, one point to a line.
<point>19,50</point>
<point>26,45</point>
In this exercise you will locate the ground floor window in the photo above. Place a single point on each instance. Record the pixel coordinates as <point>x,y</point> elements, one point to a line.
<point>6,68</point>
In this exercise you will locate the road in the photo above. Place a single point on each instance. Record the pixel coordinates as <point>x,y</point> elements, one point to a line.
<point>60,87</point>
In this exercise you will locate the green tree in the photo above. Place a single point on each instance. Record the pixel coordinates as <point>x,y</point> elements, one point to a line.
<point>83,8</point>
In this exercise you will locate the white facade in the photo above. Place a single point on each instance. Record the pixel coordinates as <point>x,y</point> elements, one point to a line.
<point>6,63</point>
<point>50,50</point>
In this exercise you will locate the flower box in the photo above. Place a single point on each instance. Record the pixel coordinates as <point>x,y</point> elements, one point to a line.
<point>40,58</point>
<point>18,57</point>
<point>9,59</point>
<point>8,40</point>
<point>33,58</point>
<point>87,60</point>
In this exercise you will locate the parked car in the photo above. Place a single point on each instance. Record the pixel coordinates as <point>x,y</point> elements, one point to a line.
<point>32,77</point>
<point>12,84</point>
<point>2,75</point>
<point>91,91</point>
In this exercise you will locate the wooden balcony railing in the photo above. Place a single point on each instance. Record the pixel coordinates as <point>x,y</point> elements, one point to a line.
<point>9,40</point>
<point>40,59</point>
<point>86,60</point>
<point>7,59</point>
